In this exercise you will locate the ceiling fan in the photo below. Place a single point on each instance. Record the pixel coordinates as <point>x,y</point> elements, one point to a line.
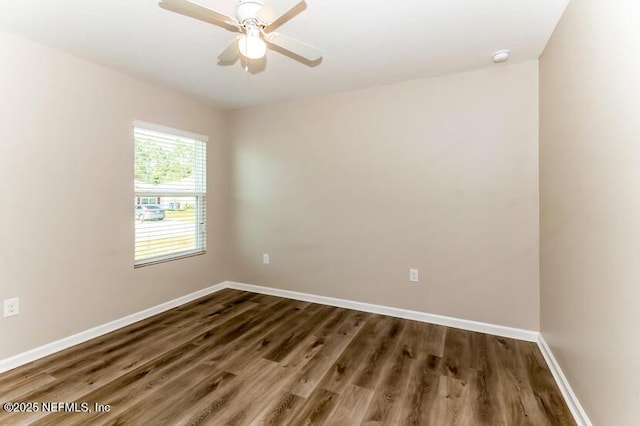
<point>253,17</point>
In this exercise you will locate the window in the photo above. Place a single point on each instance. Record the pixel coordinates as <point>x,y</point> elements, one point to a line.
<point>169,209</point>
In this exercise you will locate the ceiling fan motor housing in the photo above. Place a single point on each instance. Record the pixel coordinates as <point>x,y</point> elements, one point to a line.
<point>247,10</point>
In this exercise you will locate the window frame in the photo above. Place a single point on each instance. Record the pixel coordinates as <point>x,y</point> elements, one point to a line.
<point>200,197</point>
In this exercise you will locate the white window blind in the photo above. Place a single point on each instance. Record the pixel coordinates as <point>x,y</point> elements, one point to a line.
<point>170,174</point>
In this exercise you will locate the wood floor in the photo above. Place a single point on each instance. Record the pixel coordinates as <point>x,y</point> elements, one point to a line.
<point>241,358</point>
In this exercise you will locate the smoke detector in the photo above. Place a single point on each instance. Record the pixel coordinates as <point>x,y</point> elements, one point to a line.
<point>501,56</point>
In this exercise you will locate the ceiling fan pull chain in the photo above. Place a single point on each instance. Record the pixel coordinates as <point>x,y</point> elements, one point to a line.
<point>245,63</point>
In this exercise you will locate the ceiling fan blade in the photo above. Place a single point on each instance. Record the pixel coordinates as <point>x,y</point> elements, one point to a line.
<point>294,46</point>
<point>275,9</point>
<point>198,11</point>
<point>230,54</point>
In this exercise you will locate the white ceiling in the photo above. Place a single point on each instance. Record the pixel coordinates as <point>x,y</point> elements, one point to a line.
<point>365,42</point>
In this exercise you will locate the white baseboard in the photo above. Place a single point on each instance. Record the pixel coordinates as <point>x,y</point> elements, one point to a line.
<point>565,388</point>
<point>498,330</point>
<point>578,412</point>
<point>83,336</point>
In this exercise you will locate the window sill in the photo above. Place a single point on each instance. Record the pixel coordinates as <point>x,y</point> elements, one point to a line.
<point>168,258</point>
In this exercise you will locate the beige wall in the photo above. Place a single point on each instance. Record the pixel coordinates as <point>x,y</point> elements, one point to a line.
<point>590,205</point>
<point>346,192</point>
<point>66,188</point>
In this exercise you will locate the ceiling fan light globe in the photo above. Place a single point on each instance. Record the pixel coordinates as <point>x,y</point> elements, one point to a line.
<point>252,47</point>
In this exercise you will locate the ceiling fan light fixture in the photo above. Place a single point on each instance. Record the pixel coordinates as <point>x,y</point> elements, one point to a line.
<point>251,45</point>
<point>253,18</point>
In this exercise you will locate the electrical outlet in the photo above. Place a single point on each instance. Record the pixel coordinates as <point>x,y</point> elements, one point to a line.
<point>11,307</point>
<point>413,275</point>
<point>265,258</point>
